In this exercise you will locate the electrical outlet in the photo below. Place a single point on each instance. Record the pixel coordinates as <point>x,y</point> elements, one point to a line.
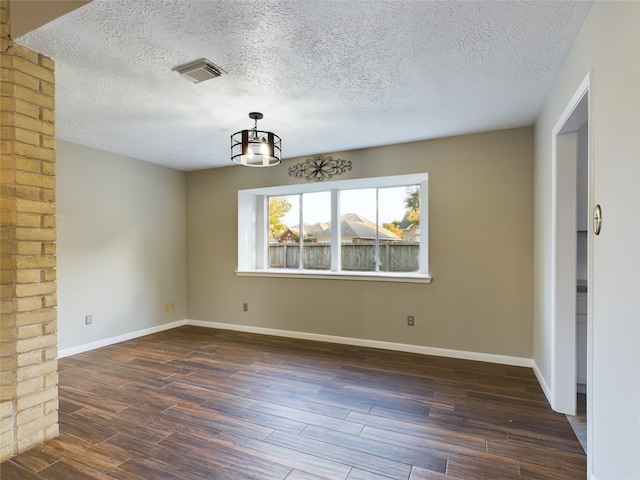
<point>88,319</point>
<point>245,307</point>
<point>166,306</point>
<point>172,305</point>
<point>410,321</point>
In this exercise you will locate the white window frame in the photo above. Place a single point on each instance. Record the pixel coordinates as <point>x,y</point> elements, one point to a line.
<point>252,230</point>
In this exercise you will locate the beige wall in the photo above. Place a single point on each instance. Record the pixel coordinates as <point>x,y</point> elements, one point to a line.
<point>122,245</point>
<point>480,209</point>
<point>608,46</point>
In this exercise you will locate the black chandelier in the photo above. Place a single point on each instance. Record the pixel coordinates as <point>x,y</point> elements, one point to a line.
<point>256,148</point>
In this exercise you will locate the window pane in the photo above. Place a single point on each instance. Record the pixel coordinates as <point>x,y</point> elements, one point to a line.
<point>316,218</point>
<point>284,242</point>
<point>399,215</point>
<point>379,219</point>
<point>358,229</point>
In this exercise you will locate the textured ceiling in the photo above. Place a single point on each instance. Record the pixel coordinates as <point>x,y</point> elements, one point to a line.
<point>327,75</point>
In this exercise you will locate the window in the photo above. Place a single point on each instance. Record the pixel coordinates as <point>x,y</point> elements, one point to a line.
<point>374,228</point>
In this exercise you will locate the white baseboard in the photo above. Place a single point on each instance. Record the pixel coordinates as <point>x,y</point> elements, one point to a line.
<point>542,382</point>
<point>120,338</point>
<point>400,347</point>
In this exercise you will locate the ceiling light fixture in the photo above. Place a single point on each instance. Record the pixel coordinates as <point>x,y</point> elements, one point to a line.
<point>256,148</point>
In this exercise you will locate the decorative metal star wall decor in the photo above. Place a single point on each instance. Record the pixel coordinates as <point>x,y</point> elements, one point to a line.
<point>319,168</point>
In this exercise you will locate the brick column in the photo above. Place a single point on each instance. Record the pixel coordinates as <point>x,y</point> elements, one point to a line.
<point>28,327</point>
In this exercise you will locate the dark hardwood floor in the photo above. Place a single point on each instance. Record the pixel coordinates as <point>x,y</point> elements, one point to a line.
<point>196,403</point>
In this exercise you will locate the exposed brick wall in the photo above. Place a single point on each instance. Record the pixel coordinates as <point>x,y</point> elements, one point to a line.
<point>28,327</point>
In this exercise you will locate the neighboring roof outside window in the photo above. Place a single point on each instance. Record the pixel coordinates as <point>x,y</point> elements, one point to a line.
<point>353,227</point>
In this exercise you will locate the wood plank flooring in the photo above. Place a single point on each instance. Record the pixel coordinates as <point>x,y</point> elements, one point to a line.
<point>197,403</point>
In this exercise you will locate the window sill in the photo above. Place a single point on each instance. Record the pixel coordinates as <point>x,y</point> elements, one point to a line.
<point>401,277</point>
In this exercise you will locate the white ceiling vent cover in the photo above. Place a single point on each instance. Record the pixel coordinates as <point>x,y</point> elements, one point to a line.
<point>199,70</point>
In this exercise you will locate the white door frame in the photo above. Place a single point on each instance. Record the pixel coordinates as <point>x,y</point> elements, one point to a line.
<point>563,381</point>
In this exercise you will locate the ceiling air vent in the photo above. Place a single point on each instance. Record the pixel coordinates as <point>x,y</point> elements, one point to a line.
<point>199,70</point>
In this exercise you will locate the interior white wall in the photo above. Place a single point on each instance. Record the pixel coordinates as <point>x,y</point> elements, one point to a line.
<point>121,244</point>
<point>608,45</point>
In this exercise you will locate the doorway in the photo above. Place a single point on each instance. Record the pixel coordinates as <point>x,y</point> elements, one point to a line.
<point>578,420</point>
<point>572,253</point>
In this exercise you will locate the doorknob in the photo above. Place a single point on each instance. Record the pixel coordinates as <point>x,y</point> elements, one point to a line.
<point>597,219</point>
